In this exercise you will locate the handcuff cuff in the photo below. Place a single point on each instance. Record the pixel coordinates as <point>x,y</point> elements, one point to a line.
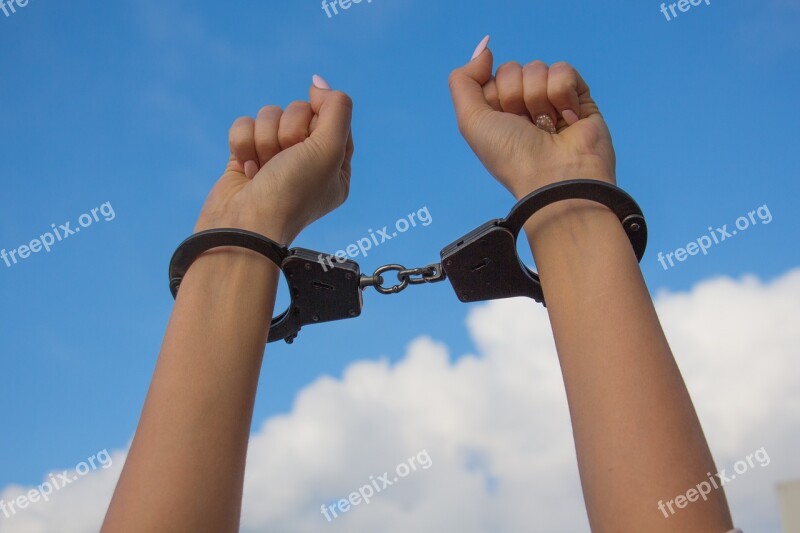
<point>482,265</point>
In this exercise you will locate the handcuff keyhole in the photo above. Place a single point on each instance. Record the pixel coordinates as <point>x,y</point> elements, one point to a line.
<point>481,265</point>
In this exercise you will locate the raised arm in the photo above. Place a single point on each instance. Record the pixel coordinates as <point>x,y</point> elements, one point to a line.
<point>185,468</point>
<point>639,442</point>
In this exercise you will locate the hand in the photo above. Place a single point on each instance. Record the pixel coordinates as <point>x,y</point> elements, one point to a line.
<point>498,117</point>
<point>286,169</point>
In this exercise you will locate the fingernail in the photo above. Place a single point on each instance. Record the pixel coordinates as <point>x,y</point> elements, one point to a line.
<point>481,47</point>
<point>250,169</point>
<point>545,122</point>
<point>570,116</point>
<point>319,82</point>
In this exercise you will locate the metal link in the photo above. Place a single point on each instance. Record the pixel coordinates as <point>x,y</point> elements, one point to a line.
<point>395,288</point>
<point>429,274</point>
<point>482,265</point>
<point>406,276</point>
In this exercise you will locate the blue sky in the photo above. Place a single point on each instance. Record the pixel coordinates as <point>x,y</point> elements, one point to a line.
<point>129,103</point>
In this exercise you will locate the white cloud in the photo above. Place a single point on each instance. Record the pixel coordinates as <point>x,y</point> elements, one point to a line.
<point>77,507</point>
<point>496,425</point>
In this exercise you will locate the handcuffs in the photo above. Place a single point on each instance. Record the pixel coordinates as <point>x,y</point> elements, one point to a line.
<point>481,265</point>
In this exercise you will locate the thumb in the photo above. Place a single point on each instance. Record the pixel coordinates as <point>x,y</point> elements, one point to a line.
<point>333,111</point>
<point>466,84</point>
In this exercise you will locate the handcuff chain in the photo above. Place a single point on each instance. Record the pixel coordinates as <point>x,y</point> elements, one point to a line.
<point>432,273</point>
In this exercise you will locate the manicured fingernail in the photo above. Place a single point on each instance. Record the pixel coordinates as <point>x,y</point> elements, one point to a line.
<point>570,116</point>
<point>545,122</point>
<point>481,47</point>
<point>319,82</point>
<point>250,169</point>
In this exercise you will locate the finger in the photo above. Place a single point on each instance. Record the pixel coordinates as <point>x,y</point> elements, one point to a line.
<point>294,124</point>
<point>241,139</point>
<point>491,95</point>
<point>564,89</point>
<point>509,87</point>
<point>334,111</point>
<point>266,133</point>
<point>534,81</point>
<point>466,85</point>
<point>346,170</point>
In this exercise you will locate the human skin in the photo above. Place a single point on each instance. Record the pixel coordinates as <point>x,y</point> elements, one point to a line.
<point>185,468</point>
<point>637,436</point>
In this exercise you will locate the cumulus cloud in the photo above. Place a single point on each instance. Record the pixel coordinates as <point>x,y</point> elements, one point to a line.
<point>74,505</point>
<point>496,428</point>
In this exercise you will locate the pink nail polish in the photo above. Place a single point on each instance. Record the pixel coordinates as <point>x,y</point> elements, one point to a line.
<point>570,116</point>
<point>250,169</point>
<point>319,82</point>
<point>481,47</point>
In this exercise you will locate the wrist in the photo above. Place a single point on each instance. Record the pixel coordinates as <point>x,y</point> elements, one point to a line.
<point>570,221</point>
<point>562,216</point>
<point>276,228</point>
<point>229,293</point>
<point>233,275</point>
<point>524,184</point>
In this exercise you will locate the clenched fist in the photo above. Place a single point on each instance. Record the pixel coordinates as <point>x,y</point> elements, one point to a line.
<point>287,168</point>
<point>531,126</point>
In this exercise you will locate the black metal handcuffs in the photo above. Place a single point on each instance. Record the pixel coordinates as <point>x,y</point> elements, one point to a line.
<point>482,265</point>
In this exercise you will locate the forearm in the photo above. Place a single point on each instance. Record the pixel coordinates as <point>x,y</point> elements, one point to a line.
<point>637,436</point>
<point>185,468</point>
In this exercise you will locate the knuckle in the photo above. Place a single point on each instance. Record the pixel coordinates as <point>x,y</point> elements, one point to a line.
<point>239,136</point>
<point>562,67</point>
<point>342,99</point>
<point>537,63</point>
<point>535,67</point>
<point>269,110</point>
<point>298,105</point>
<point>452,79</point>
<point>240,122</point>
<point>559,90</point>
<point>509,66</point>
